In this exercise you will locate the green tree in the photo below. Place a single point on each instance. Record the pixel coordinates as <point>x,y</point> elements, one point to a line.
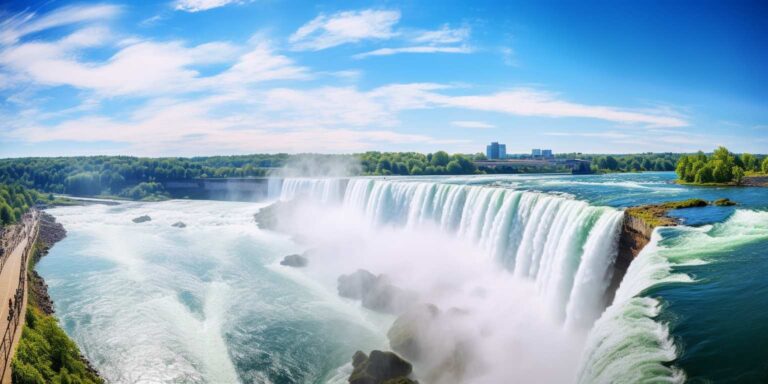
<point>738,174</point>
<point>765,165</point>
<point>454,167</point>
<point>440,158</point>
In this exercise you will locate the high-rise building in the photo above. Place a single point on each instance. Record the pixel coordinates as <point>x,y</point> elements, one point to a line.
<point>536,152</point>
<point>496,151</point>
<point>546,153</point>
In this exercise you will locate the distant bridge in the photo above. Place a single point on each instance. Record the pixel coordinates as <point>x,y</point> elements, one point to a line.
<point>576,165</point>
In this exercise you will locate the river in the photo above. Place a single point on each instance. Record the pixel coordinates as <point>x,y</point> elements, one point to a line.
<point>525,258</point>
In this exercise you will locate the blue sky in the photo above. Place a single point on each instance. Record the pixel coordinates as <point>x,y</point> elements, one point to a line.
<point>202,77</point>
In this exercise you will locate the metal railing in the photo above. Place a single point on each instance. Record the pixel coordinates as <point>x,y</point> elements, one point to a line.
<point>31,230</point>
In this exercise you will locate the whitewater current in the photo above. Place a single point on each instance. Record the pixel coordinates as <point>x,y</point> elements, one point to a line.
<point>532,248</point>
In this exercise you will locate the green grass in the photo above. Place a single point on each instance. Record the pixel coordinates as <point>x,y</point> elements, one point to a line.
<point>655,215</point>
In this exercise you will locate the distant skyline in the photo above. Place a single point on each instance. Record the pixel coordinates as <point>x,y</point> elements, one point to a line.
<point>219,77</point>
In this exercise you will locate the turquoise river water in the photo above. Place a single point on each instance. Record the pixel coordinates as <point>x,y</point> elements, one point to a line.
<point>527,258</point>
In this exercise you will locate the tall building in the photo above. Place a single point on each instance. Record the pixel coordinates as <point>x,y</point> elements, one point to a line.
<point>536,152</point>
<point>546,153</point>
<point>496,151</point>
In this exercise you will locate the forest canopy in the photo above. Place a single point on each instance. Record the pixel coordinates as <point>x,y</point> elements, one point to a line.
<point>721,167</point>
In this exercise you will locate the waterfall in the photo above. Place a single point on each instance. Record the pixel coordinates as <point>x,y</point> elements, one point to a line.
<point>566,246</point>
<point>318,189</point>
<point>626,345</point>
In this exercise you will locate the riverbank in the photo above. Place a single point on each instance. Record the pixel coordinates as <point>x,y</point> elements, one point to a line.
<point>45,353</point>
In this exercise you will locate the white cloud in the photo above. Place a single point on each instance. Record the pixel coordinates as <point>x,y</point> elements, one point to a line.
<point>344,27</point>
<point>143,67</point>
<point>472,124</point>
<point>202,5</point>
<point>191,127</point>
<point>443,40</point>
<point>418,49</point>
<point>22,24</point>
<point>529,102</point>
<point>444,35</point>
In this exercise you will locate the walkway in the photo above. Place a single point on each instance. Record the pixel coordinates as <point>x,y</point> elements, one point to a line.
<point>12,286</point>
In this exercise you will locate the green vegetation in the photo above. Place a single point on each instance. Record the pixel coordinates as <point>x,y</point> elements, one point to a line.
<point>724,202</point>
<point>628,163</point>
<point>655,215</point>
<point>123,175</point>
<point>721,167</point>
<point>412,163</point>
<point>14,201</point>
<point>46,354</point>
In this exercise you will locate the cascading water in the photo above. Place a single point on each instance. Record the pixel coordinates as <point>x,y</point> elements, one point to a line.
<point>323,190</point>
<point>627,345</point>
<point>566,246</point>
<point>520,276</point>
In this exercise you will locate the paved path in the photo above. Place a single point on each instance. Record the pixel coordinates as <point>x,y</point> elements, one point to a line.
<point>9,282</point>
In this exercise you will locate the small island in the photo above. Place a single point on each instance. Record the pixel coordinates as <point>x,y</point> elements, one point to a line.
<point>722,168</point>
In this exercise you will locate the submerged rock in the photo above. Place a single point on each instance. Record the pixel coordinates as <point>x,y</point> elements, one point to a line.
<point>295,261</point>
<point>142,219</point>
<point>374,292</point>
<point>179,224</point>
<point>380,368</point>
<point>724,202</point>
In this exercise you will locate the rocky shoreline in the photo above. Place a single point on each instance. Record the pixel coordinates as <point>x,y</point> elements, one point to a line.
<point>51,232</point>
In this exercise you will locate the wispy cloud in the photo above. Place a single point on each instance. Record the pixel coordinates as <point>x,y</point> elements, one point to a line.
<point>142,67</point>
<point>417,49</point>
<point>203,5</point>
<point>25,23</point>
<point>472,124</point>
<point>443,40</point>
<point>444,35</point>
<point>531,102</point>
<point>344,27</point>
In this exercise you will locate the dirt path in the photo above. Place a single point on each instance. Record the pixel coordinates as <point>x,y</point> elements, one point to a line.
<point>9,283</point>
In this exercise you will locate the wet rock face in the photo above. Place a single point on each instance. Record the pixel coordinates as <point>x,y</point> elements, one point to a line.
<point>380,368</point>
<point>375,292</point>
<point>635,234</point>
<point>179,224</point>
<point>297,261</point>
<point>142,219</point>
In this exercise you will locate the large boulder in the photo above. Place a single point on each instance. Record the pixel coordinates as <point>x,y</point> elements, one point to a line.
<point>142,219</point>
<point>179,224</point>
<point>380,368</point>
<point>356,285</point>
<point>406,335</point>
<point>269,217</point>
<point>294,261</point>
<point>435,340</point>
<point>375,292</point>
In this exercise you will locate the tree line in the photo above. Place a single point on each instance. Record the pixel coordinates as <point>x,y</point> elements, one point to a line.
<point>15,200</point>
<point>721,167</point>
<point>125,176</point>
<point>659,162</point>
<point>413,163</point>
